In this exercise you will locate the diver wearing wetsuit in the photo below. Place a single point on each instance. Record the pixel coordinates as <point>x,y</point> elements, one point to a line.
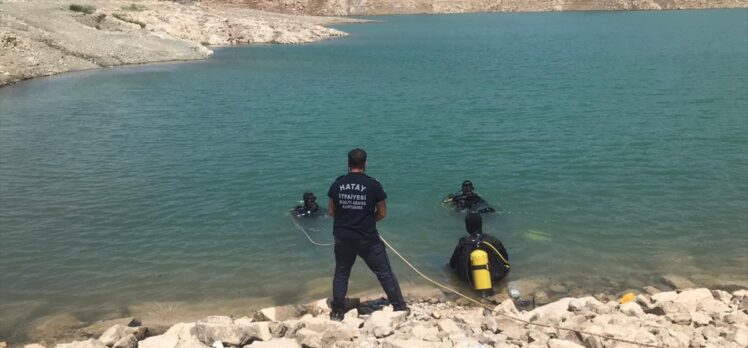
<point>468,200</point>
<point>498,259</point>
<point>310,208</point>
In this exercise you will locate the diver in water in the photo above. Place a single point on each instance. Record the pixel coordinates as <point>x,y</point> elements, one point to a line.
<point>310,208</point>
<point>468,200</point>
<point>498,259</point>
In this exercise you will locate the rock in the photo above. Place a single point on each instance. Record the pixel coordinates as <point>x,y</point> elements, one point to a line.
<point>665,308</point>
<point>677,282</point>
<point>712,307</point>
<point>129,341</point>
<point>411,343</point>
<point>178,336</point>
<point>506,307</point>
<point>33,345</point>
<point>381,323</point>
<point>723,296</point>
<point>423,333</point>
<point>4,345</point>
<point>632,309</point>
<point>217,344</point>
<point>488,323</point>
<point>700,319</point>
<point>740,336</point>
<point>118,332</point>
<point>275,343</point>
<point>448,326</point>
<point>90,343</point>
<point>338,334</point>
<point>541,298</point>
<point>280,313</point>
<point>98,328</point>
<point>558,288</point>
<point>318,307</point>
<point>694,296</point>
<point>511,328</point>
<point>664,296</point>
<point>352,320</point>
<point>538,337</point>
<point>576,305</point>
<point>557,343</point>
<point>54,327</point>
<point>680,318</point>
<point>230,331</point>
<point>651,290</point>
<point>309,338</point>
<point>436,315</point>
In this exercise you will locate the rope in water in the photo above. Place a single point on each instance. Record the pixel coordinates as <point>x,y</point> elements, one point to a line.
<point>307,235</point>
<point>606,337</point>
<point>440,285</point>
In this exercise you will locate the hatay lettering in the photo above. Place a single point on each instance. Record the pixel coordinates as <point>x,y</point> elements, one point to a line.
<point>354,187</point>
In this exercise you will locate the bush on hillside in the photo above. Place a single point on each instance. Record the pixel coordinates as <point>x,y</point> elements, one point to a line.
<point>87,9</point>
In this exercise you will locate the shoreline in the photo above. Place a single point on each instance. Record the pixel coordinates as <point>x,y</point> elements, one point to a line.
<point>696,317</point>
<point>33,35</point>
<point>47,38</point>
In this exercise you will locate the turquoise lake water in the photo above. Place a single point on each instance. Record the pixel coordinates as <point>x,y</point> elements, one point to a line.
<point>615,144</point>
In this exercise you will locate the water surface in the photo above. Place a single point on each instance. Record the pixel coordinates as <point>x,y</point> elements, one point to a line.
<point>614,143</point>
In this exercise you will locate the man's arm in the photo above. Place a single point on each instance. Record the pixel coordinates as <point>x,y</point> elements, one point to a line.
<point>381,209</point>
<point>331,207</point>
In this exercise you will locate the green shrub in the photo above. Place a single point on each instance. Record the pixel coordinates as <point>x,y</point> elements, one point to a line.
<point>132,7</point>
<point>87,9</point>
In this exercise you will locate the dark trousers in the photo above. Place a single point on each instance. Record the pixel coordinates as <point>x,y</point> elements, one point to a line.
<point>374,254</point>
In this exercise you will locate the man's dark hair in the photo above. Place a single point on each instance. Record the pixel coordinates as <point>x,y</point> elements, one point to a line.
<point>356,158</point>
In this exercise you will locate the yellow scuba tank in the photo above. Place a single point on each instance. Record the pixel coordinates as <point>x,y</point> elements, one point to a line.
<point>480,274</point>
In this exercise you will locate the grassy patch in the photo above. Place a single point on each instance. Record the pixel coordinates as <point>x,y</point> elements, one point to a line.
<point>128,20</point>
<point>87,9</point>
<point>133,7</point>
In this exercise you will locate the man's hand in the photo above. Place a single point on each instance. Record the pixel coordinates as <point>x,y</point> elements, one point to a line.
<point>331,207</point>
<point>381,209</point>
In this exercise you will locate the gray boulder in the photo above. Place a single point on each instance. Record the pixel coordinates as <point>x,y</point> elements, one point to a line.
<point>557,343</point>
<point>275,343</point>
<point>129,341</point>
<point>90,343</point>
<point>677,282</point>
<point>181,335</point>
<point>411,343</point>
<point>118,332</point>
<point>632,309</point>
<point>448,326</point>
<point>309,338</point>
<point>229,331</point>
<point>382,323</point>
<point>99,327</point>
<point>280,313</point>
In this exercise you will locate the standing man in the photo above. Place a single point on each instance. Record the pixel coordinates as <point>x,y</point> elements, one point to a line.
<point>357,202</point>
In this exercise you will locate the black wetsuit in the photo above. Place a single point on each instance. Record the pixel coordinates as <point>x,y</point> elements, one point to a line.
<point>303,211</point>
<point>460,260</point>
<point>473,203</point>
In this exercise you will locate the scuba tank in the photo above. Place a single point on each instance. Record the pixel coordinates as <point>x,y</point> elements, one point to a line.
<point>480,273</point>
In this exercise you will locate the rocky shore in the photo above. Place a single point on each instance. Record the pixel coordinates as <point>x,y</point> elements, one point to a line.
<point>40,38</point>
<point>652,318</point>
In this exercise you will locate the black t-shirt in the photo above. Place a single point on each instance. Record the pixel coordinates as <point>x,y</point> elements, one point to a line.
<point>356,196</point>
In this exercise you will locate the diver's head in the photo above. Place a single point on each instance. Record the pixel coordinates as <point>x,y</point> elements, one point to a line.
<point>467,188</point>
<point>357,159</point>
<point>309,199</point>
<point>473,223</point>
